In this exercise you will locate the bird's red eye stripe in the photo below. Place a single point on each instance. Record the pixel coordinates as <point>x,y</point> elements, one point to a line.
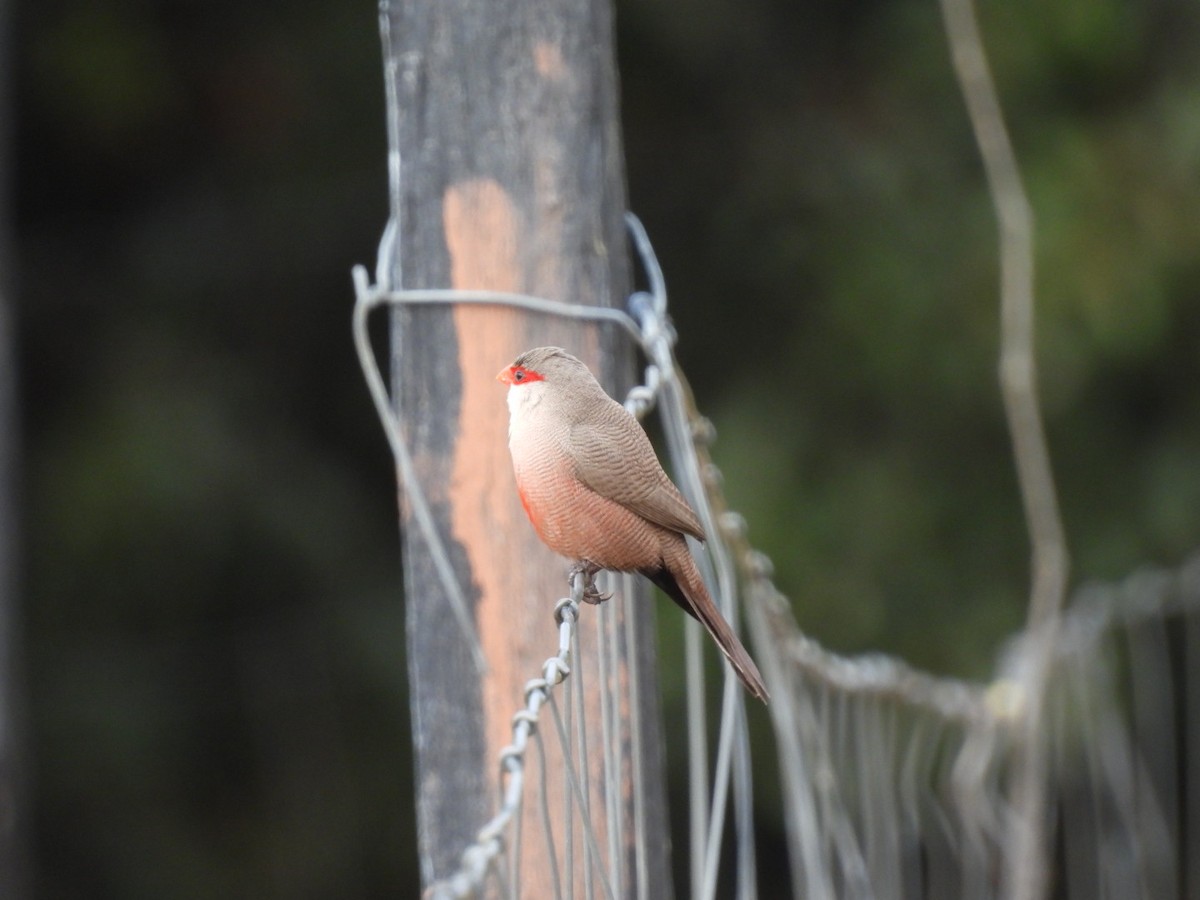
<point>520,375</point>
<point>513,375</point>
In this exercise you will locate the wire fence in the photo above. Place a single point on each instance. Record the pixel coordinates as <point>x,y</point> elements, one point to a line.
<point>1074,771</point>
<point>897,783</point>
<point>664,387</point>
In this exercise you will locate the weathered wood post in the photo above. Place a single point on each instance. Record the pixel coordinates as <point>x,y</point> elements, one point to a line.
<point>506,175</point>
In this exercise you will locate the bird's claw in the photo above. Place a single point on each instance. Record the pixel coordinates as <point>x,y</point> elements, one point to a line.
<point>591,593</point>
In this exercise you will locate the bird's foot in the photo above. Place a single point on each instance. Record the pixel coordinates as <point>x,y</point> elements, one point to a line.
<point>591,593</point>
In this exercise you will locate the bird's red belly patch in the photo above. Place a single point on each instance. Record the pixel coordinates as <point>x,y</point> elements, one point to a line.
<point>579,524</point>
<point>529,508</point>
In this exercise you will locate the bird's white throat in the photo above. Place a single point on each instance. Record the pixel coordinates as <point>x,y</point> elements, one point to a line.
<point>523,416</point>
<point>522,398</point>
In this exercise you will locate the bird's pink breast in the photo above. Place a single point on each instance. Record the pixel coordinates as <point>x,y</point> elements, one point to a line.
<point>578,523</point>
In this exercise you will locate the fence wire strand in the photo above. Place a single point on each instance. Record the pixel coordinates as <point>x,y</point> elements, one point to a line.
<point>896,783</point>
<point>1018,383</point>
<point>894,779</point>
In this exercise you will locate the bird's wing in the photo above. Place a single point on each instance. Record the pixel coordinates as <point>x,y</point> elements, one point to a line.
<point>614,458</point>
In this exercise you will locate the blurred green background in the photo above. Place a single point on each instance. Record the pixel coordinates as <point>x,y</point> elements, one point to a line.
<point>215,671</point>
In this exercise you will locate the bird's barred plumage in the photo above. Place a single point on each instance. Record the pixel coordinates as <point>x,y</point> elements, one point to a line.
<point>594,491</point>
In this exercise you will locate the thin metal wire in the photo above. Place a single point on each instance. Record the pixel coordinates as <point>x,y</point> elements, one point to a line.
<point>578,787</point>
<point>639,402</point>
<point>479,858</point>
<point>728,553</point>
<point>547,827</point>
<point>637,747</point>
<point>656,336</point>
<point>1027,877</point>
<point>833,850</point>
<point>614,741</point>
<point>733,758</point>
<point>1155,738</point>
<point>387,262</point>
<point>973,825</point>
<point>698,772</point>
<point>368,298</point>
<point>576,709</point>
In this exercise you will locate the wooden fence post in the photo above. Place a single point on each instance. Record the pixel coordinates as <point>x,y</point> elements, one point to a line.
<point>507,175</point>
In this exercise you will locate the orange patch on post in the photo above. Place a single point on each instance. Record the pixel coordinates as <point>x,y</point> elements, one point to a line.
<point>548,60</point>
<point>480,221</point>
<point>481,231</point>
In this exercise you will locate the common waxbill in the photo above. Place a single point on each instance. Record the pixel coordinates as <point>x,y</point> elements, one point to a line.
<point>595,492</point>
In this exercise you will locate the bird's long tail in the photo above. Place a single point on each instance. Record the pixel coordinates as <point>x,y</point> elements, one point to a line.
<point>683,584</point>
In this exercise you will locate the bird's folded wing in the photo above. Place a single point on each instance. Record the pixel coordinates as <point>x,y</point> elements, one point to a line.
<point>616,460</point>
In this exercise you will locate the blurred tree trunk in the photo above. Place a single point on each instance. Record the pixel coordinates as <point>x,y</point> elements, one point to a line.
<point>12,809</point>
<point>506,175</point>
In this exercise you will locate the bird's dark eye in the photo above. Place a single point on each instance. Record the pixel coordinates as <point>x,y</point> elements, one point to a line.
<point>519,375</point>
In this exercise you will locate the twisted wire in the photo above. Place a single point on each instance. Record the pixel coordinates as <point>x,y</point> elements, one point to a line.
<point>729,561</point>
<point>985,713</point>
<point>480,858</point>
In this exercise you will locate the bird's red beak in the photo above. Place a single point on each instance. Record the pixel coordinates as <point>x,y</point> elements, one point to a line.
<point>504,376</point>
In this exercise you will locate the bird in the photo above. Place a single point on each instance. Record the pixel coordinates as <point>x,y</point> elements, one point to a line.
<point>595,492</point>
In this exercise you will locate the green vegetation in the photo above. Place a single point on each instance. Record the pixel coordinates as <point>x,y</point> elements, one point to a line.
<point>214,642</point>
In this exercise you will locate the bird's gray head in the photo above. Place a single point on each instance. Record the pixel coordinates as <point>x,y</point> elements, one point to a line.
<point>553,365</point>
